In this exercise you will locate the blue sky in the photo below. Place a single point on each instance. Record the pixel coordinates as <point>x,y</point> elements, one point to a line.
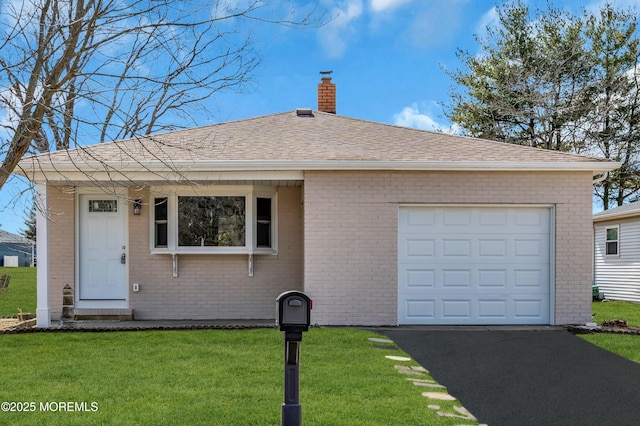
<point>387,56</point>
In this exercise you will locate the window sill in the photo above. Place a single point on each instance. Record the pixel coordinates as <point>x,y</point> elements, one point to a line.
<point>221,251</point>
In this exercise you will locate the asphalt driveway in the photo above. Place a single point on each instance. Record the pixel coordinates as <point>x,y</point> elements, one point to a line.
<point>527,377</point>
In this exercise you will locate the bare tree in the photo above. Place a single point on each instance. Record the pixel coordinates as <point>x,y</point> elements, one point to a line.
<point>73,70</point>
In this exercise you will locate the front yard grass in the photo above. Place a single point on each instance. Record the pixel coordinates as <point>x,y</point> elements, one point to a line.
<point>627,346</point>
<point>208,377</point>
<point>21,294</point>
<point>627,311</point>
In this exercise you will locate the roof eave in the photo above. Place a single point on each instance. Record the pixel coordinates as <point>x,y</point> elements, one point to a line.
<point>596,167</point>
<point>616,216</point>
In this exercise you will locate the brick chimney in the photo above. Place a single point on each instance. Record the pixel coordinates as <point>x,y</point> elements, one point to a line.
<point>327,95</point>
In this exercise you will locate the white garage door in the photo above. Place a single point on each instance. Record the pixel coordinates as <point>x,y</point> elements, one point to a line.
<point>473,265</point>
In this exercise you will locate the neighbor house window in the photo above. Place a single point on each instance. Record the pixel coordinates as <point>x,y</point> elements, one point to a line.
<point>613,239</point>
<point>215,220</point>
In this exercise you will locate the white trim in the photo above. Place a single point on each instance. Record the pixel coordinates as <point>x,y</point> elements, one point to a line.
<point>607,241</point>
<point>604,217</point>
<point>506,205</point>
<point>249,192</point>
<point>291,169</point>
<point>552,264</point>
<point>266,193</point>
<point>43,310</point>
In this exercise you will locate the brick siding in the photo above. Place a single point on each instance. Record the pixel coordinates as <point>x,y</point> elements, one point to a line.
<point>61,215</point>
<point>349,265</point>
<point>350,232</point>
<point>208,286</point>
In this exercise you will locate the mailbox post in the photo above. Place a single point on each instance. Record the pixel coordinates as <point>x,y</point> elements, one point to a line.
<point>293,318</point>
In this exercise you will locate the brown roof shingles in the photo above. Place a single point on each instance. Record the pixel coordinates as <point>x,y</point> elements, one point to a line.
<point>285,137</point>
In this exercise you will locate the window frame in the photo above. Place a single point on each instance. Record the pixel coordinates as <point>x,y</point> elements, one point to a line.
<point>250,193</point>
<point>607,241</point>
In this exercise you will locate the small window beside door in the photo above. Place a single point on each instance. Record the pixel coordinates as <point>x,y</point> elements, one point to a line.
<point>612,241</point>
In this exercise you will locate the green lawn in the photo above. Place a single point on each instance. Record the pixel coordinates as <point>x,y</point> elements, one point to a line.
<point>219,377</point>
<point>627,346</point>
<point>617,310</point>
<point>22,292</point>
<point>209,377</point>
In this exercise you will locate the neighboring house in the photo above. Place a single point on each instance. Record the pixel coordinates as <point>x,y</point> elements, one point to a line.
<point>378,224</point>
<point>616,259</point>
<point>16,246</point>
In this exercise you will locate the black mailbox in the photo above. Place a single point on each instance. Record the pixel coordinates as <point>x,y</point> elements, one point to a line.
<point>294,311</point>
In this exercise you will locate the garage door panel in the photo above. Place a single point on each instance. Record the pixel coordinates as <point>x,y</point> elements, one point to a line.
<point>420,309</point>
<point>492,278</point>
<point>493,218</point>
<point>415,249</point>
<point>531,278</point>
<point>487,310</point>
<point>458,309</point>
<point>457,218</point>
<point>457,248</point>
<point>529,308</point>
<point>498,248</point>
<point>532,220</point>
<point>419,217</point>
<point>479,265</point>
<point>417,278</point>
<point>513,278</point>
<point>456,278</point>
<point>492,247</point>
<point>529,247</point>
<point>492,309</point>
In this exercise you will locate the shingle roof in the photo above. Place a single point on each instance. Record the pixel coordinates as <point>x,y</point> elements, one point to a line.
<point>624,211</point>
<point>8,237</point>
<point>286,141</point>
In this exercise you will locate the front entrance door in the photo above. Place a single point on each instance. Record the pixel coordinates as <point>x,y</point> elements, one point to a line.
<point>102,252</point>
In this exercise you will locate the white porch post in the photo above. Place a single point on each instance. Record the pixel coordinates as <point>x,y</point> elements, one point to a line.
<point>43,311</point>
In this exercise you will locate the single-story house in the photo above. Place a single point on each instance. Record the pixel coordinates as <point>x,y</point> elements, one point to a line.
<point>15,250</point>
<point>378,224</point>
<point>616,254</point>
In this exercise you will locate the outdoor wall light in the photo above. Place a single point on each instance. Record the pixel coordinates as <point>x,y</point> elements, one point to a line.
<point>137,207</point>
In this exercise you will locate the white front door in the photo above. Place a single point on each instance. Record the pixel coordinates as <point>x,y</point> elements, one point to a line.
<point>102,252</point>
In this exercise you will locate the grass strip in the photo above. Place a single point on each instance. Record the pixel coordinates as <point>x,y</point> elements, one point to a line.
<point>21,294</point>
<point>208,377</point>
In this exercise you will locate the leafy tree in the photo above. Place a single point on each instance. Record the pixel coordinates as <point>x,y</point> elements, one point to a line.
<point>525,86</point>
<point>110,69</point>
<point>557,81</point>
<point>612,125</point>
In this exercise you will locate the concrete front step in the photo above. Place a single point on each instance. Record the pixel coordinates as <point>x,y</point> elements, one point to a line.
<point>103,314</point>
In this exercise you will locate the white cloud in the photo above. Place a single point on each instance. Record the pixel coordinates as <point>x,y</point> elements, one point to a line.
<point>411,116</point>
<point>435,24</point>
<point>332,36</point>
<point>490,18</point>
<point>623,5</point>
<point>382,5</point>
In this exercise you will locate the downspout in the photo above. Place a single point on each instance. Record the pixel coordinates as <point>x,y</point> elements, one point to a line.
<point>601,178</point>
<point>596,181</point>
